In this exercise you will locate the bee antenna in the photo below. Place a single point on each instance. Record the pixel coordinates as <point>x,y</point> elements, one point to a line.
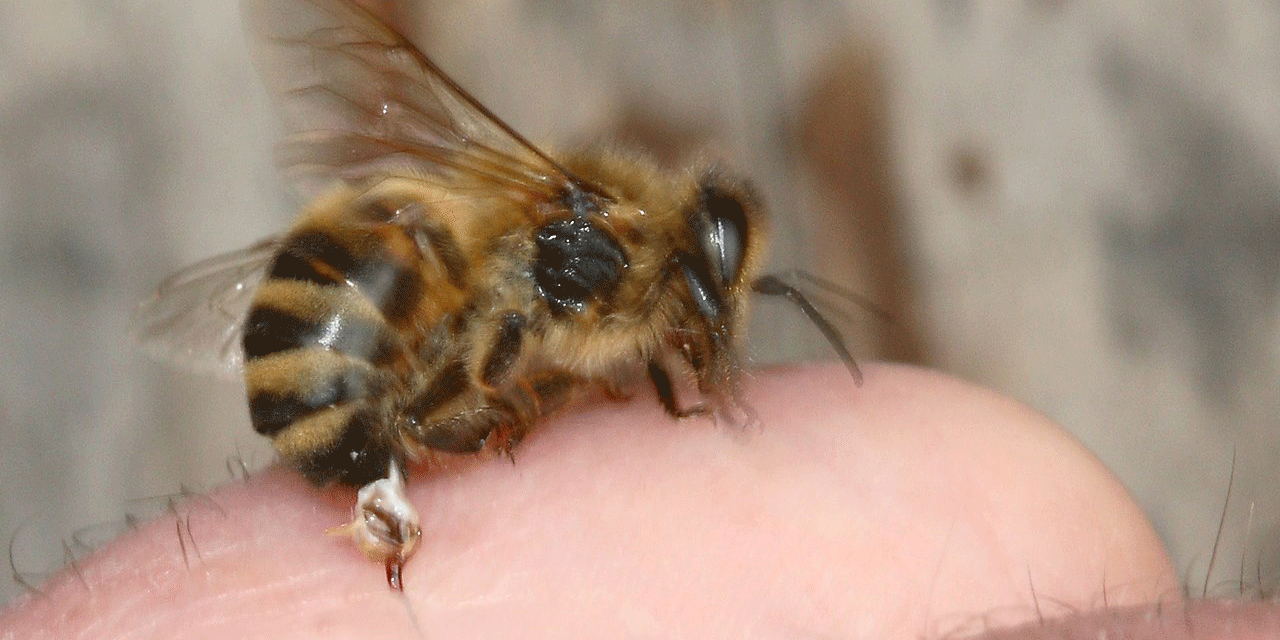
<point>862,302</point>
<point>772,286</point>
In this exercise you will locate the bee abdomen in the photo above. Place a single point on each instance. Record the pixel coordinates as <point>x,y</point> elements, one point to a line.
<point>288,386</point>
<point>347,443</point>
<point>359,455</point>
<point>318,406</point>
<point>324,341</point>
<point>270,330</point>
<point>352,290</point>
<point>381,262</point>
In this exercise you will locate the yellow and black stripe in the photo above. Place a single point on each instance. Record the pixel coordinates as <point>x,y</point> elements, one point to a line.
<point>325,341</point>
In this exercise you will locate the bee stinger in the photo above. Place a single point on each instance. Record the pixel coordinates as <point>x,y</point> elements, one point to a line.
<point>450,283</point>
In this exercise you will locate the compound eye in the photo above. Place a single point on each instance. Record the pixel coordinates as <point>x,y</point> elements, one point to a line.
<point>724,238</point>
<point>704,295</point>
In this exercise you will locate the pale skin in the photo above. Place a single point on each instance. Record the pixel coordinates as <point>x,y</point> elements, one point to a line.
<point>915,506</point>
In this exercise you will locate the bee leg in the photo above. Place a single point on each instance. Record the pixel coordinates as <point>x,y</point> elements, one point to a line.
<point>465,432</point>
<point>506,349</point>
<point>434,419</point>
<point>519,404</point>
<point>502,418</point>
<point>540,396</point>
<point>614,390</point>
<point>667,394</point>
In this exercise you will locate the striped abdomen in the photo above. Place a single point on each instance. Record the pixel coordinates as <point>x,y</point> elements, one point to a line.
<point>330,334</point>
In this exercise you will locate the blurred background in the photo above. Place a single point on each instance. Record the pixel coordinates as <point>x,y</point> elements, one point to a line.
<point>1074,202</point>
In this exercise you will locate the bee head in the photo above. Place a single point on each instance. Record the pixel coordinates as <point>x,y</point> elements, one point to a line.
<point>722,269</point>
<point>719,266</point>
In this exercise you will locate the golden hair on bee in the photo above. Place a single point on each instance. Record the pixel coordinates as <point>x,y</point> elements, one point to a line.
<point>451,284</point>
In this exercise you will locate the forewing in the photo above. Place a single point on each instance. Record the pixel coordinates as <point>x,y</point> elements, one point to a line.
<point>196,316</point>
<point>360,102</point>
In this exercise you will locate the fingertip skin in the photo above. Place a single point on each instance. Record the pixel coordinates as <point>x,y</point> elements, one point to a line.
<point>890,509</point>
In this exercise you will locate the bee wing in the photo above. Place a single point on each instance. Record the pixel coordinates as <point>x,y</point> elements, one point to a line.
<point>196,316</point>
<point>360,102</point>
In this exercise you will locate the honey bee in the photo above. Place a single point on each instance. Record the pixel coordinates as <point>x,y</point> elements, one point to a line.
<point>452,283</point>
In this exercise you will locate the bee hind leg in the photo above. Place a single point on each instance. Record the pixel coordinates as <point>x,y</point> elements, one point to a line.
<point>502,418</point>
<point>464,432</point>
<point>538,396</point>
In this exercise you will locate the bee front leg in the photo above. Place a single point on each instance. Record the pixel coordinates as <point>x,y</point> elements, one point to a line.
<point>667,394</point>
